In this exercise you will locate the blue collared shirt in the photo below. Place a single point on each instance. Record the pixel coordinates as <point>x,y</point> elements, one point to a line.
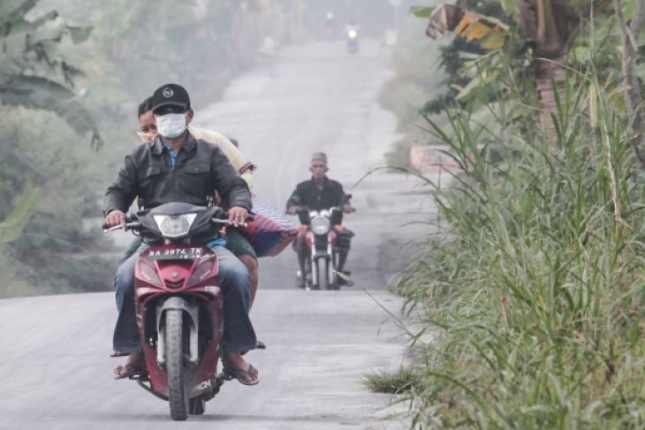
<point>173,155</point>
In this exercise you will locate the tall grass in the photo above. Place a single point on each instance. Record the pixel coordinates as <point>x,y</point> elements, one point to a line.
<point>536,290</point>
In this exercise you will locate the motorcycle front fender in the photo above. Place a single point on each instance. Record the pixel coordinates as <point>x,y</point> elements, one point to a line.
<point>192,311</point>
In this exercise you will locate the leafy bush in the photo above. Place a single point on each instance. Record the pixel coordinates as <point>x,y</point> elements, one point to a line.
<point>49,248</point>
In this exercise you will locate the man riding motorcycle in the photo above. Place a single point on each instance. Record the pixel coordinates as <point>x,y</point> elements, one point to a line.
<point>235,240</point>
<point>176,167</point>
<point>320,193</point>
<point>352,37</point>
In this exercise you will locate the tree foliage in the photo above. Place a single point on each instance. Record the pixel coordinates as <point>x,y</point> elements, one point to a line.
<point>542,35</point>
<point>34,72</point>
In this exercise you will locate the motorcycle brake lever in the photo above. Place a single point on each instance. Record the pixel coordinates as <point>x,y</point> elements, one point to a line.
<point>113,228</point>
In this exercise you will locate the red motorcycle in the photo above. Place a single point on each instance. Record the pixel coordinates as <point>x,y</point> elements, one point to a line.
<point>179,305</point>
<point>321,252</point>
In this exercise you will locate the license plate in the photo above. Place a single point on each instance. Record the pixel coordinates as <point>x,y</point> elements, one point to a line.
<point>176,254</point>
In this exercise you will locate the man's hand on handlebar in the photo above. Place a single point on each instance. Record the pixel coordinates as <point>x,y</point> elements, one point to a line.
<point>237,216</point>
<point>116,217</point>
<point>302,229</point>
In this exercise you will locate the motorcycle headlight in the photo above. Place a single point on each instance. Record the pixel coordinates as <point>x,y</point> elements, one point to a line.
<point>353,34</point>
<point>320,225</point>
<point>174,226</point>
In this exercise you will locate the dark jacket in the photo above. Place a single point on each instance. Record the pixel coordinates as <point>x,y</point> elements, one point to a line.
<point>200,170</point>
<point>309,195</point>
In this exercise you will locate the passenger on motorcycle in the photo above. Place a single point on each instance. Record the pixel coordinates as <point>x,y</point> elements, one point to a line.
<point>236,242</point>
<point>177,167</point>
<point>320,193</point>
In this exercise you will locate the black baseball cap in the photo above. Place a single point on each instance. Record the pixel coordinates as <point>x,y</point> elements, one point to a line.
<point>170,95</point>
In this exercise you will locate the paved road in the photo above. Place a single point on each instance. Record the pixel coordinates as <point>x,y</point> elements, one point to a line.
<point>55,372</point>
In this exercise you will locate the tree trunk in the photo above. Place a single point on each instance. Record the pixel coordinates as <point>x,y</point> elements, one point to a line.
<point>639,18</point>
<point>554,26</point>
<point>548,38</point>
<point>550,77</point>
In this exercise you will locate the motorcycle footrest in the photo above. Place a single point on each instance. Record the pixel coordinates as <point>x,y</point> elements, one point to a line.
<point>143,376</point>
<point>209,389</point>
<point>204,389</point>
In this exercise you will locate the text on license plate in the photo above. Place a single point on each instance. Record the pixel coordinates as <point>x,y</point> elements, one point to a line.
<point>176,254</point>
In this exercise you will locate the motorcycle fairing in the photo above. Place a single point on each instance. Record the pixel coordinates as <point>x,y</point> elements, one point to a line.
<point>206,300</point>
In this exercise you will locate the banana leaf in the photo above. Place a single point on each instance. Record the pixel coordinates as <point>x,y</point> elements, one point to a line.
<point>41,93</point>
<point>13,11</point>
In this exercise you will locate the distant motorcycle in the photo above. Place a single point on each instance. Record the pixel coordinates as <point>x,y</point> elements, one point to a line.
<point>179,305</point>
<point>321,260</point>
<point>330,30</point>
<point>353,45</point>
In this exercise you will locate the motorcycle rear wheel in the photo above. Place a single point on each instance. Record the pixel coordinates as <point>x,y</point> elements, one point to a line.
<point>178,374</point>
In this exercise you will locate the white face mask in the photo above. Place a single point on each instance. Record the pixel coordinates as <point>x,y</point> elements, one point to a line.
<point>171,125</point>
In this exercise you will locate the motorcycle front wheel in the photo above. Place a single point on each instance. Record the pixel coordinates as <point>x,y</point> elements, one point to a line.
<point>178,374</point>
<point>322,271</point>
<point>331,270</point>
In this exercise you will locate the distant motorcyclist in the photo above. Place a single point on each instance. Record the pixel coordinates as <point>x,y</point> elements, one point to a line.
<point>352,26</point>
<point>351,34</point>
<point>320,193</point>
<point>329,27</point>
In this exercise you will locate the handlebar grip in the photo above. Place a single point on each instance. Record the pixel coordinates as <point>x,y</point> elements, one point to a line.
<point>249,218</point>
<point>129,219</point>
<point>127,226</point>
<point>229,223</point>
<point>221,221</point>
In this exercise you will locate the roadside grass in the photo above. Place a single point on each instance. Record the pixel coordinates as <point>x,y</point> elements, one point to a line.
<point>403,381</point>
<point>536,291</point>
